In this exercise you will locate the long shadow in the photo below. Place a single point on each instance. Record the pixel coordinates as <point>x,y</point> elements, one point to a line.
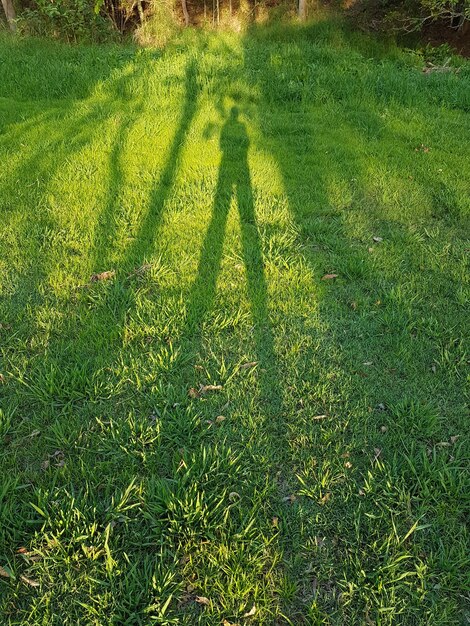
<point>98,332</point>
<point>146,237</point>
<point>234,182</point>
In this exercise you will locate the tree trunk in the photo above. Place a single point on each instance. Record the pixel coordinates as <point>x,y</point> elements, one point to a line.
<point>185,12</point>
<point>10,13</point>
<point>302,9</point>
<point>140,9</point>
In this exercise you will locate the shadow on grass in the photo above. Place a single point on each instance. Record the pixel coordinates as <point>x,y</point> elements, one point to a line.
<point>234,182</point>
<point>320,527</point>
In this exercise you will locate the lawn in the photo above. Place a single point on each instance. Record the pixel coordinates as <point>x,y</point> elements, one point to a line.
<point>233,323</point>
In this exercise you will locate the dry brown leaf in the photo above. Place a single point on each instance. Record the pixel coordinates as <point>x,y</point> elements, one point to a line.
<point>220,418</point>
<point>325,499</point>
<point>275,522</point>
<point>205,388</point>
<point>103,276</point>
<point>247,366</point>
<point>329,276</point>
<point>4,572</point>
<point>227,623</point>
<point>202,600</point>
<point>251,612</point>
<point>2,378</point>
<point>29,581</point>
<point>193,393</point>
<point>22,550</point>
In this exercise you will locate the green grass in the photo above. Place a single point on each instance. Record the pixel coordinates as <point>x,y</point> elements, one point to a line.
<point>122,496</point>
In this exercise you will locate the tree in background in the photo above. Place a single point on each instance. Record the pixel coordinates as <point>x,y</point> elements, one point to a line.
<point>10,13</point>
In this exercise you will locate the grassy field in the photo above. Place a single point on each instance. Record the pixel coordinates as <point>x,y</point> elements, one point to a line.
<point>233,314</point>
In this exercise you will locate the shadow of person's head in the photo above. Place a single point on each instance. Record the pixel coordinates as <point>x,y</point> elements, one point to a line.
<point>234,113</point>
<point>234,140</point>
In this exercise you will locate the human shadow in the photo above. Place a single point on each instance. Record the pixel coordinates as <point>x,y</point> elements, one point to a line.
<point>234,182</point>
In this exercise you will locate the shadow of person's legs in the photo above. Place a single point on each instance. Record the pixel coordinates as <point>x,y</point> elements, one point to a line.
<point>204,286</point>
<point>257,290</point>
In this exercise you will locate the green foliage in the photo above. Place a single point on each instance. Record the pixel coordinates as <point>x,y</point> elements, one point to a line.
<point>411,15</point>
<point>72,20</point>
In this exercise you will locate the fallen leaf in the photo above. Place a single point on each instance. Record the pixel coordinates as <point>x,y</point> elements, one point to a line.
<point>5,572</point>
<point>2,378</point>
<point>348,465</point>
<point>377,239</point>
<point>220,418</point>
<point>247,366</point>
<point>103,276</point>
<point>383,429</point>
<point>193,393</point>
<point>275,522</point>
<point>205,388</point>
<point>202,600</point>
<point>22,550</point>
<point>251,612</point>
<point>329,276</point>
<point>29,581</point>
<point>227,623</point>
<point>325,499</point>
<point>319,417</point>
<point>362,492</point>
